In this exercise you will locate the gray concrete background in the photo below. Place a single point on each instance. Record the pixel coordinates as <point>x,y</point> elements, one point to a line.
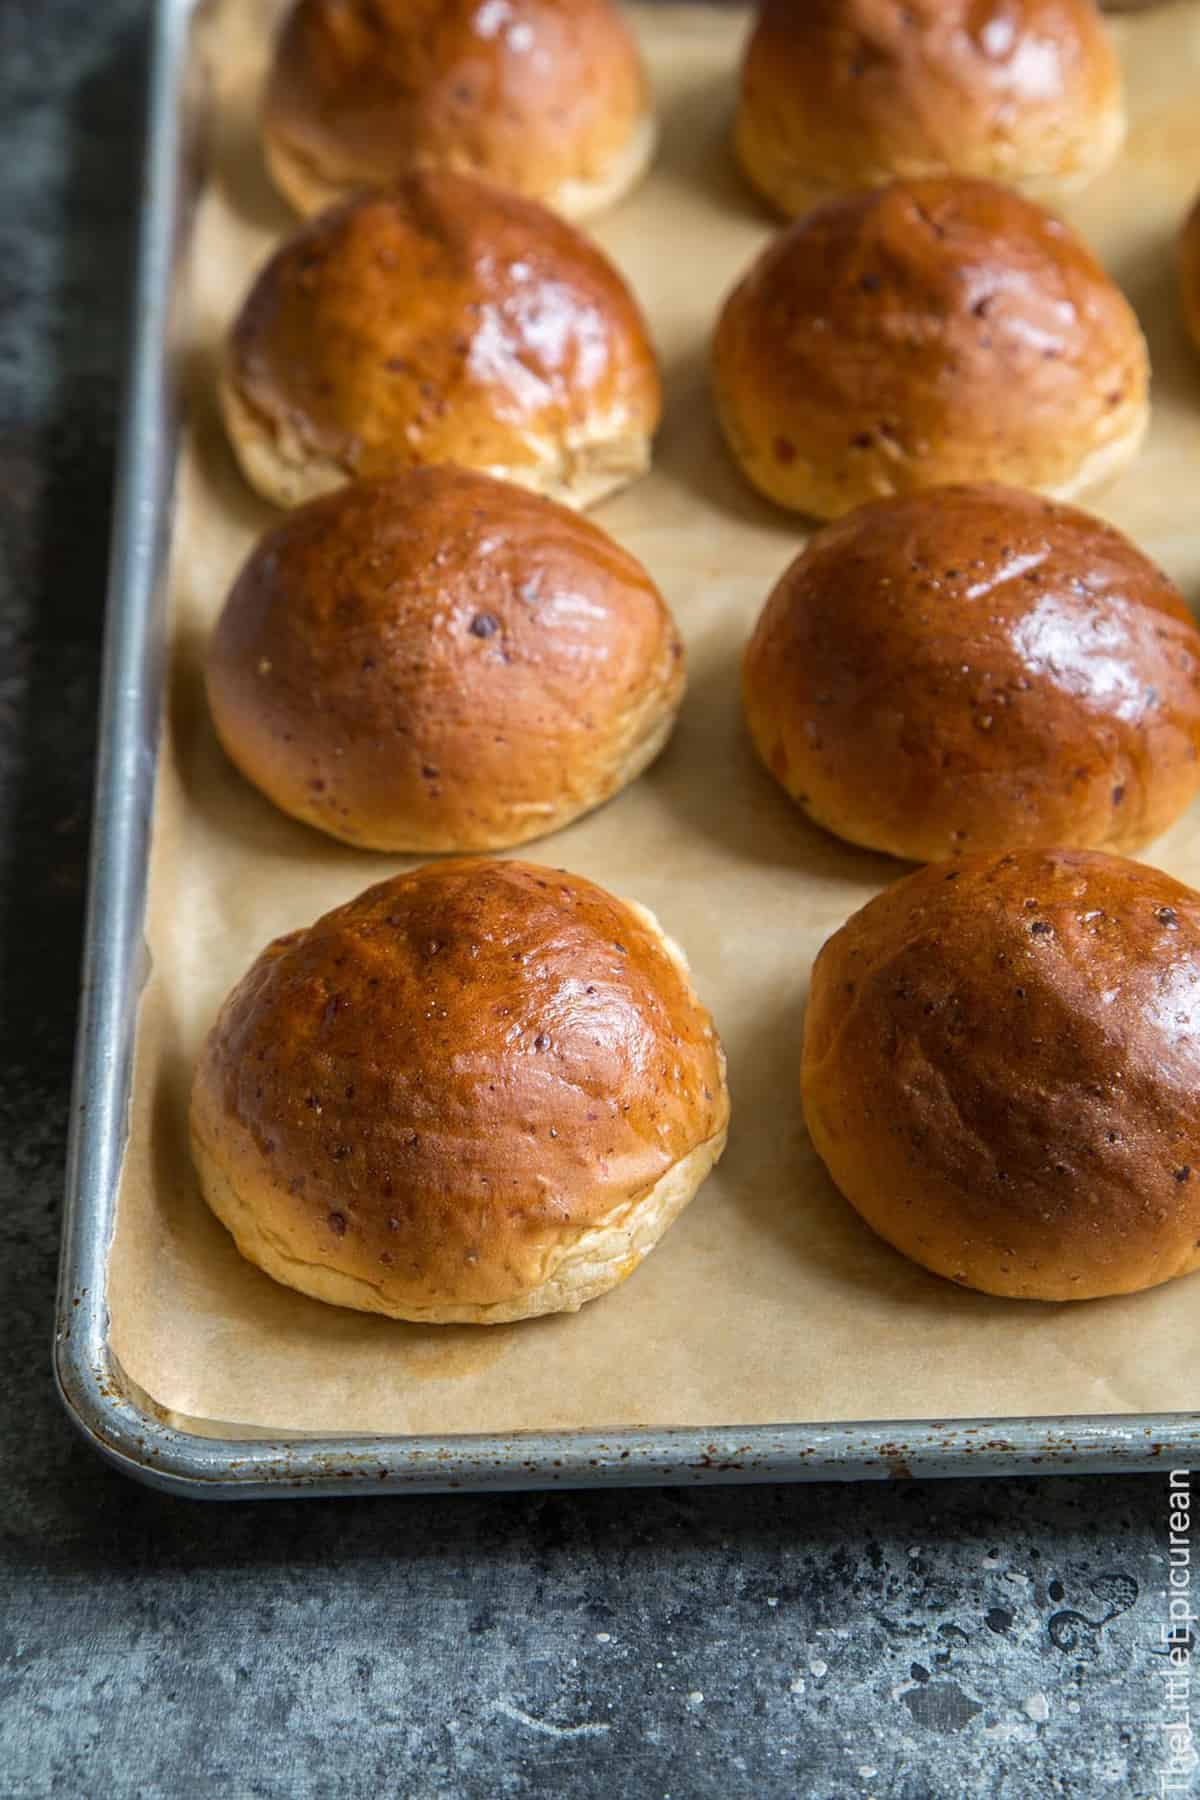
<point>922,1640</point>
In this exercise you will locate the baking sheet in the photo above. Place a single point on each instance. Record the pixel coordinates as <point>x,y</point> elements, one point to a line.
<point>768,1301</point>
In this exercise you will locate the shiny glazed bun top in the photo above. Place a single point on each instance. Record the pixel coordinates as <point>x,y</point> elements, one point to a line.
<point>479,1091</point>
<point>439,661</point>
<point>924,333</point>
<point>975,668</point>
<point>440,320</point>
<point>1002,1072</point>
<point>843,94</point>
<point>547,97</point>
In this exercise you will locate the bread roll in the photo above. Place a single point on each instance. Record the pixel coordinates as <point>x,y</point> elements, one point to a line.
<point>440,321</point>
<point>1002,1072</point>
<point>845,94</point>
<point>478,1092</point>
<point>550,100</point>
<point>975,668</point>
<point>928,332</point>
<point>440,661</point>
<point>1189,272</point>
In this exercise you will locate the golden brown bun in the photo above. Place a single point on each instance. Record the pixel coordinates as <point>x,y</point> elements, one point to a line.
<point>441,321</point>
<point>1189,272</point>
<point>478,1092</point>
<point>845,94</point>
<point>1002,1072</point>
<point>546,97</point>
<point>440,661</point>
<point>928,332</point>
<point>975,668</point>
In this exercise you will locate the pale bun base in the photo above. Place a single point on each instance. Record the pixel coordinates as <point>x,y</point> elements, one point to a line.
<point>578,199</point>
<point>821,498</point>
<point>598,1260</point>
<point>1103,465</point>
<point>580,1268</point>
<point>647,737</point>
<point>307,191</point>
<point>794,190</point>
<point>579,471</point>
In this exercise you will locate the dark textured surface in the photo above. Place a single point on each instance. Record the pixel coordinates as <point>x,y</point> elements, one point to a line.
<point>907,1642</point>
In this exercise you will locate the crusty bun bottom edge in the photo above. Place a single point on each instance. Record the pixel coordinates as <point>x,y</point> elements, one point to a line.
<point>1104,464</point>
<point>599,1259</point>
<point>592,463</point>
<point>794,192</point>
<point>1097,469</point>
<point>308,191</point>
<point>526,823</point>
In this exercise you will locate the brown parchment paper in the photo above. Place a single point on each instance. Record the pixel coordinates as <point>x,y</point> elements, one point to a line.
<point>768,1301</point>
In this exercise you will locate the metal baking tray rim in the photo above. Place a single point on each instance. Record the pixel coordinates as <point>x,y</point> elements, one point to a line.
<point>125,1425</point>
